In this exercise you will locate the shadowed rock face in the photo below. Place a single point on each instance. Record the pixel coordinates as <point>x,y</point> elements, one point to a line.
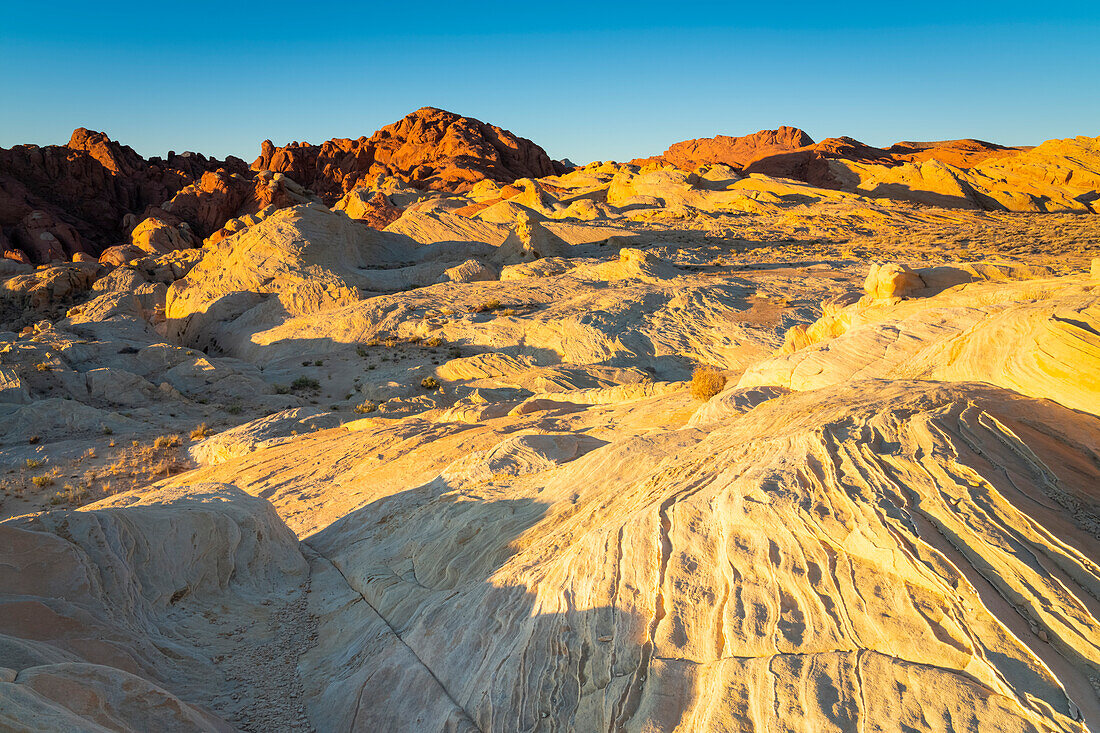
<point>429,148</point>
<point>87,188</point>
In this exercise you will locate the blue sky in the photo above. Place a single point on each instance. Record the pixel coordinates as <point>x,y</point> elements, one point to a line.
<point>586,81</point>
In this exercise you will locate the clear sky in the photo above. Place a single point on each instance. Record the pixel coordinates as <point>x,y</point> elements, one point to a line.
<point>588,81</point>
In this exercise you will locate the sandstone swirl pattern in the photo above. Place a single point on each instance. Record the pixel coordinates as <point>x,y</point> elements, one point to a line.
<point>450,476</point>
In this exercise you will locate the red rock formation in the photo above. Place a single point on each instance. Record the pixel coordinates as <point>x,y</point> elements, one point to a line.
<point>45,239</point>
<point>810,163</point>
<point>89,186</point>
<point>959,153</point>
<point>790,153</point>
<point>429,148</point>
<point>218,196</point>
<point>375,211</point>
<point>735,152</point>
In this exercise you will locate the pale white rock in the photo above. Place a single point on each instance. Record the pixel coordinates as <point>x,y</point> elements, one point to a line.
<point>12,389</point>
<point>469,271</point>
<point>257,434</point>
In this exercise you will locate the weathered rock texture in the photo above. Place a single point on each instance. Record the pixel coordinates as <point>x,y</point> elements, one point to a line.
<point>451,476</point>
<point>429,148</point>
<point>87,188</point>
<point>736,152</point>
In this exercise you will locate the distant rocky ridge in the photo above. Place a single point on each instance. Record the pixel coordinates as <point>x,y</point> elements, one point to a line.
<point>429,148</point>
<point>789,152</point>
<point>64,202</point>
<point>60,200</point>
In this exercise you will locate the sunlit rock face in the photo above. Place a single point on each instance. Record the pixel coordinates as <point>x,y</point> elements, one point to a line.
<point>440,457</point>
<point>429,148</point>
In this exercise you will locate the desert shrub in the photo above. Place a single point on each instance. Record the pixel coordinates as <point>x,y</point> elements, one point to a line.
<point>42,367</point>
<point>200,432</point>
<point>706,382</point>
<point>35,462</point>
<point>434,341</point>
<point>302,384</point>
<point>487,306</point>
<point>75,495</point>
<point>429,383</point>
<point>366,407</point>
<point>42,481</point>
<point>166,441</point>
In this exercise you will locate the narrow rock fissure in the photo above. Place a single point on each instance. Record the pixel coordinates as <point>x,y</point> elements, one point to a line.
<point>404,643</point>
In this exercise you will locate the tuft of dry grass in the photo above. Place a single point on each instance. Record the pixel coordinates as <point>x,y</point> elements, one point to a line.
<point>164,442</point>
<point>200,432</point>
<point>366,407</point>
<point>706,382</point>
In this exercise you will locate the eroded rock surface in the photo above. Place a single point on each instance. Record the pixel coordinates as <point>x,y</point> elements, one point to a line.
<point>430,459</point>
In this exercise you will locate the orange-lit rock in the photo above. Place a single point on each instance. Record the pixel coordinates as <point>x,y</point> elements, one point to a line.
<point>736,152</point>
<point>429,148</point>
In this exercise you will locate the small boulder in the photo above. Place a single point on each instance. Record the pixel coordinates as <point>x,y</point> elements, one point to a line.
<point>155,236</point>
<point>468,272</point>
<point>892,280</point>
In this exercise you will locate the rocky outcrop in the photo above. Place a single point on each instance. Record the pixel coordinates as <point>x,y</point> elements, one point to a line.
<point>156,236</point>
<point>87,186</point>
<point>304,259</point>
<point>429,148</point>
<point>736,152</point>
<point>1057,176</point>
<point>94,603</point>
<point>218,196</point>
<point>373,209</point>
<point>1017,335</point>
<point>790,153</point>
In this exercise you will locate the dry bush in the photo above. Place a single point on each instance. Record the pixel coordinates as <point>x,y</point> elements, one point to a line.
<point>164,442</point>
<point>42,481</point>
<point>366,407</point>
<point>706,382</point>
<point>429,383</point>
<point>487,306</point>
<point>130,468</point>
<point>305,384</point>
<point>200,432</point>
